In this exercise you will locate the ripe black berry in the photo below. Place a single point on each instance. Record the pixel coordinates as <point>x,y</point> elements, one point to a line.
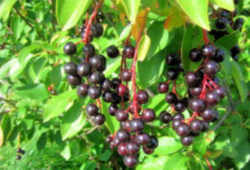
<point>94,92</point>
<point>148,115</point>
<point>122,135</point>
<point>106,85</point>
<point>211,68</point>
<point>172,73</point>
<point>122,149</point>
<point>212,98</point>
<point>171,98</point>
<point>191,79</point>
<point>178,116</point>
<point>197,105</point>
<point>179,107</point>
<point>83,69</point>
<point>219,57</point>
<point>142,97</point>
<point>153,143</point>
<point>89,50</point>
<point>113,109</point>
<point>96,77</point>
<point>195,91</point>
<point>107,96</point>
<point>220,92</point>
<point>196,126</point>
<point>98,62</point>
<point>121,115</point>
<point>187,140</point>
<point>92,110</point>
<point>235,50</point>
<point>195,55</point>
<point>69,48</point>
<point>172,59</point>
<point>126,75</point>
<point>221,23</point>
<point>183,130</point>
<point>208,50</point>
<point>129,51</point>
<point>112,51</point>
<point>136,125</point>
<point>130,161</point>
<point>142,139</point>
<point>97,30</point>
<point>133,148</point>
<point>82,90</point>
<point>163,87</point>
<point>165,117</point>
<point>147,150</point>
<point>74,80</point>
<point>99,119</point>
<point>176,123</point>
<point>209,115</point>
<point>238,24</point>
<point>70,68</point>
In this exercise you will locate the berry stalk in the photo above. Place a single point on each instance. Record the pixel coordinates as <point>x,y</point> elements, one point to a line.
<point>205,37</point>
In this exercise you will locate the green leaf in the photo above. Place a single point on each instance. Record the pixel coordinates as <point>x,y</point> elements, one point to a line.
<point>58,104</point>
<point>66,153</point>
<point>131,8</point>
<point>144,47</point>
<point>73,121</point>
<point>149,71</point>
<point>10,68</point>
<point>5,8</point>
<point>176,161</point>
<point>201,143</point>
<point>167,145</point>
<point>69,12</point>
<point>239,80</point>
<point>197,11</point>
<point>153,163</point>
<point>226,4</point>
<point>38,92</point>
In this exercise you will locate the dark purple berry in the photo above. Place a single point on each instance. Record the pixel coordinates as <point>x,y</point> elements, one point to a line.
<point>235,50</point>
<point>171,98</point>
<point>115,83</point>
<point>238,24</point>
<point>82,90</point>
<point>129,51</point>
<point>106,85</point>
<point>147,150</point>
<point>112,51</point>
<point>172,59</point>
<point>71,68</point>
<point>142,139</point>
<point>165,117</point>
<point>197,105</point>
<point>209,115</point>
<point>126,75</point>
<point>113,109</point>
<point>92,110</point>
<point>183,130</point>
<point>121,115</point>
<point>83,69</point>
<point>205,126</point>
<point>107,96</point>
<point>89,50</point>
<point>212,98</point>
<point>130,161</point>
<point>94,92</point>
<point>96,78</point>
<point>220,92</point>
<point>219,57</point>
<point>109,139</point>
<point>163,87</point>
<point>136,125</point>
<point>172,73</point>
<point>98,62</point>
<point>133,148</point>
<point>153,143</point>
<point>195,55</point>
<point>148,115</point>
<point>122,149</point>
<point>122,135</point>
<point>191,79</point>
<point>208,50</point>
<point>74,80</point>
<point>179,107</point>
<point>221,23</point>
<point>142,97</point>
<point>99,119</point>
<point>211,68</point>
<point>178,116</point>
<point>97,30</point>
<point>69,48</point>
<point>195,91</point>
<point>176,123</point>
<point>187,140</point>
<point>196,126</point>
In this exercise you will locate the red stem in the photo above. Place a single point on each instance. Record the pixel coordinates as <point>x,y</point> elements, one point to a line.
<point>189,120</point>
<point>205,37</point>
<point>174,89</point>
<point>209,164</point>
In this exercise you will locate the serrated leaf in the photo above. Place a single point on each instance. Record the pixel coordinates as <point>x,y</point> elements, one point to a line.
<point>58,104</point>
<point>131,8</point>
<point>69,12</point>
<point>239,80</point>
<point>167,145</point>
<point>144,47</point>
<point>73,121</point>
<point>226,4</point>
<point>5,8</point>
<point>197,11</point>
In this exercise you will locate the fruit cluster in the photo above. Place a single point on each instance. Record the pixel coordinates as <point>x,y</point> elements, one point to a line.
<point>203,94</point>
<point>131,116</point>
<point>20,153</point>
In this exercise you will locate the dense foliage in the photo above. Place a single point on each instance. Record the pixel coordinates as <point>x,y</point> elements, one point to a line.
<point>45,123</point>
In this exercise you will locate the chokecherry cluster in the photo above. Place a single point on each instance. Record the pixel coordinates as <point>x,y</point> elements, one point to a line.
<point>20,153</point>
<point>204,93</point>
<point>128,139</point>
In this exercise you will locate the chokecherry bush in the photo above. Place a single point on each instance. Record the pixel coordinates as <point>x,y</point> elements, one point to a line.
<point>124,84</point>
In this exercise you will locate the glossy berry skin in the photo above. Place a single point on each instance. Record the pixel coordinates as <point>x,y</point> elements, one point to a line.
<point>94,92</point>
<point>142,97</point>
<point>195,91</point>
<point>172,73</point>
<point>113,109</point>
<point>70,68</point>
<point>208,50</point>
<point>148,115</point>
<point>122,135</point>
<point>125,125</point>
<point>142,139</point>
<point>108,96</point>
<point>172,59</point>
<point>187,140</point>
<point>238,24</point>
<point>92,110</point>
<point>205,126</point>
<point>219,57</point>
<point>89,50</point>
<point>165,117</point>
<point>121,115</point>
<point>153,143</point>
<point>147,150</point>
<point>96,78</point>
<point>178,116</point>
<point>106,85</point>
<point>163,87</point>
<point>179,107</point>
<point>69,48</point>
<point>130,161</point>
<point>83,69</point>
<point>82,90</point>
<point>171,98</point>
<point>122,90</point>
<point>221,23</point>
<point>220,92</point>
<point>191,79</point>
<point>225,14</point>
<point>136,125</point>
<point>97,30</point>
<point>197,105</point>
<point>128,51</point>
<point>211,68</point>
<point>133,148</point>
<point>98,62</point>
<point>122,149</point>
<point>176,123</point>
<point>235,50</point>
<point>195,55</point>
<point>109,139</point>
<point>112,51</point>
<point>209,115</point>
<point>115,83</point>
<point>212,98</point>
<point>126,75</point>
<point>196,126</point>
<point>74,80</point>
<point>99,119</point>
<point>183,130</point>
